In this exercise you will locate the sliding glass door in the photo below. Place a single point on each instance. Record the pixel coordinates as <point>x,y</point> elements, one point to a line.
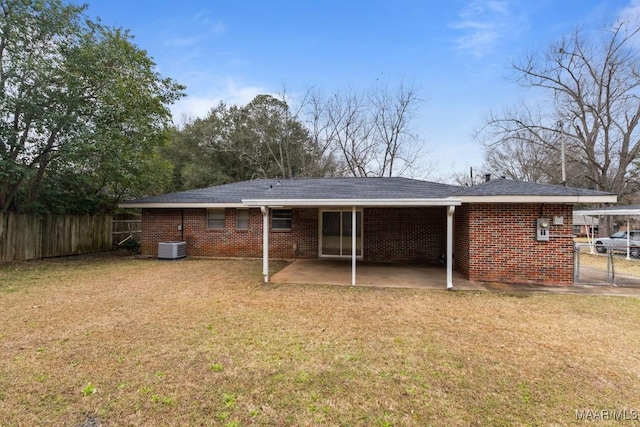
<point>336,238</point>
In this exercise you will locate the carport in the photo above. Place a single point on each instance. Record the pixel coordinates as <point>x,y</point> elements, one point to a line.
<point>619,271</point>
<point>628,211</point>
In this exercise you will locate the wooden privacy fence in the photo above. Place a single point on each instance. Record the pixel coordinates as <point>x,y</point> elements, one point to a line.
<point>126,228</point>
<point>26,236</point>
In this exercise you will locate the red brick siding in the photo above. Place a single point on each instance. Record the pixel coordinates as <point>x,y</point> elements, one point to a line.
<point>502,244</point>
<point>411,235</point>
<point>461,240</point>
<point>161,225</point>
<point>492,242</point>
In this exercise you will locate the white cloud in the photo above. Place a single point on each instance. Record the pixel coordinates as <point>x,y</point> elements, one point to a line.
<point>629,20</point>
<point>182,42</point>
<point>218,27</point>
<point>483,23</point>
<point>227,90</point>
<point>631,12</point>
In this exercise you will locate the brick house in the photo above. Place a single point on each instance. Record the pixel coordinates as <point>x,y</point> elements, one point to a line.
<point>500,230</point>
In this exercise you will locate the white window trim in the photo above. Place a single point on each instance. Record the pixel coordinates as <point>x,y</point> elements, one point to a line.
<point>238,218</point>
<point>290,220</point>
<point>224,217</point>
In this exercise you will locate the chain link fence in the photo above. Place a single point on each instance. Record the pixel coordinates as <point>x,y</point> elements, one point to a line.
<point>606,265</point>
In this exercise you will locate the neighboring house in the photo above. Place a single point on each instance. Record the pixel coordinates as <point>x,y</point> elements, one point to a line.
<point>500,230</point>
<point>585,225</point>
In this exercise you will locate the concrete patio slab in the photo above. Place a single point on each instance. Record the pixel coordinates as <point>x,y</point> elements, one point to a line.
<point>605,290</point>
<point>338,272</point>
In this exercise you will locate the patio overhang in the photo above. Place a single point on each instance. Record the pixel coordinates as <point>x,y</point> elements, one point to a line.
<point>265,204</point>
<point>351,202</point>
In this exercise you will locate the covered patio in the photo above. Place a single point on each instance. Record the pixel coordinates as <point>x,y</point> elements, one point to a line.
<point>339,272</point>
<point>354,205</point>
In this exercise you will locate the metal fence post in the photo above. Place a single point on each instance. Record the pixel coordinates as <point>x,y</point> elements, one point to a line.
<point>610,267</point>
<point>576,262</point>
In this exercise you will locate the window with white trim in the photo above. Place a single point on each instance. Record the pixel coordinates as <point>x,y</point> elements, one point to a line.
<point>281,219</point>
<point>242,219</point>
<point>215,218</point>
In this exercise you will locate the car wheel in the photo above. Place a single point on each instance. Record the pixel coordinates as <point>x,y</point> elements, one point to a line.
<point>634,252</point>
<point>600,248</point>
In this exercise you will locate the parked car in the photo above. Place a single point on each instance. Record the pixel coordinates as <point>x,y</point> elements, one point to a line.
<point>617,242</point>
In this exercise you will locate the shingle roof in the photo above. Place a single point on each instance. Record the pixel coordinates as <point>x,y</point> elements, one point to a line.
<point>309,188</point>
<point>507,187</point>
<point>389,188</point>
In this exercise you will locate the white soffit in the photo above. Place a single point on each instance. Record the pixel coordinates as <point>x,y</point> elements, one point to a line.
<point>352,202</point>
<point>607,212</point>
<point>539,199</point>
<point>179,205</point>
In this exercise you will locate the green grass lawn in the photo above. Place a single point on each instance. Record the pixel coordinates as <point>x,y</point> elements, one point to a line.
<point>125,341</point>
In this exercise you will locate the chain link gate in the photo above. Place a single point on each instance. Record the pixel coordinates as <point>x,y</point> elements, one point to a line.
<point>604,265</point>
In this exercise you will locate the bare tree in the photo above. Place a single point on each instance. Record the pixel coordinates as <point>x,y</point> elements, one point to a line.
<point>369,131</point>
<point>392,115</point>
<point>466,179</point>
<point>595,109</point>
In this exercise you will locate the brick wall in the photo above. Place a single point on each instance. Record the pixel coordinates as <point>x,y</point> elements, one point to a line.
<point>407,235</point>
<point>161,225</point>
<point>461,240</point>
<point>501,244</point>
<point>389,234</point>
<point>492,242</point>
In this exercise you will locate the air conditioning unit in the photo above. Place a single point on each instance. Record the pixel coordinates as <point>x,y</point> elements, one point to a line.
<point>172,250</point>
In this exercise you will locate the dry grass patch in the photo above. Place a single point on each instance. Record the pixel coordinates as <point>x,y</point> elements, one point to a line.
<point>203,342</point>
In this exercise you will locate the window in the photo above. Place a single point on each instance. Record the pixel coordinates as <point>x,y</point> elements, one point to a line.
<point>242,219</point>
<point>215,218</point>
<point>281,219</point>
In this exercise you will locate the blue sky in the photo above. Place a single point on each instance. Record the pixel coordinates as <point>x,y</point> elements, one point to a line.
<point>457,52</point>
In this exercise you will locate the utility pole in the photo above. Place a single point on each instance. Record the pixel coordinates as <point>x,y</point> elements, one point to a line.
<point>564,172</point>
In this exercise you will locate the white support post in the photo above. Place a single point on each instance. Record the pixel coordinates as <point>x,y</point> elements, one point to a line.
<point>628,240</point>
<point>589,237</point>
<point>450,211</point>
<point>353,245</point>
<point>265,243</point>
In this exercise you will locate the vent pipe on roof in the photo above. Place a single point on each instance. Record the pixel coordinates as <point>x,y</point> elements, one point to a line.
<point>487,177</point>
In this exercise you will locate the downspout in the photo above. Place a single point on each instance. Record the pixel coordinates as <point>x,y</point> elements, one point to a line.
<point>182,225</point>
<point>353,245</point>
<point>265,243</point>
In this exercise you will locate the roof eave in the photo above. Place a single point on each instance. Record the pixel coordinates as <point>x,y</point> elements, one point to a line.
<point>353,202</point>
<point>541,199</point>
<point>174,205</point>
<point>608,212</point>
